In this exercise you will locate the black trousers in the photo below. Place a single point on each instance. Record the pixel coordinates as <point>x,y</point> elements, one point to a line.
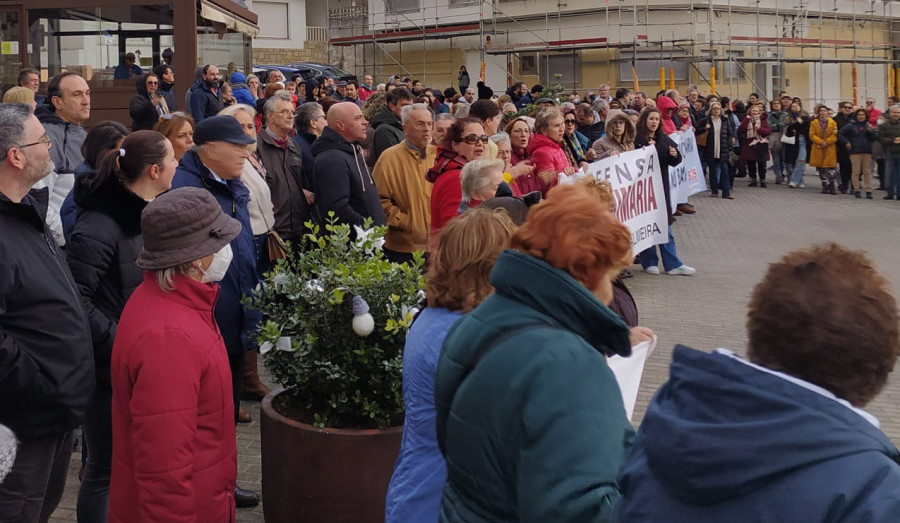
<point>34,487</point>
<point>757,168</point>
<point>236,362</point>
<point>846,168</point>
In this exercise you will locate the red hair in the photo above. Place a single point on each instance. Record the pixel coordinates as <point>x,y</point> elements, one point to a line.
<point>575,231</point>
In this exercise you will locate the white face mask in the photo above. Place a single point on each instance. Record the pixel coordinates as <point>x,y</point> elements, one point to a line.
<point>218,266</point>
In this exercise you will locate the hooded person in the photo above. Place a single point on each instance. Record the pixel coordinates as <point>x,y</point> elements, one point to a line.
<point>484,92</point>
<point>147,105</point>
<point>312,94</point>
<point>240,90</point>
<point>667,107</point>
<point>780,436</point>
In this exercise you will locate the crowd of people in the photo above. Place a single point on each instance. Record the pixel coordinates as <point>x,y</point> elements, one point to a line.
<point>140,244</point>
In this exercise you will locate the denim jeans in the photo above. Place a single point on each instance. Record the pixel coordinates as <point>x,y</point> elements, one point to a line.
<point>35,485</point>
<point>892,174</point>
<point>669,256</point>
<point>93,496</point>
<point>719,180</point>
<point>800,166</point>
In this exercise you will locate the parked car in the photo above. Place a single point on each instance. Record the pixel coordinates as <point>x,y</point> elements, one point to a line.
<point>305,69</point>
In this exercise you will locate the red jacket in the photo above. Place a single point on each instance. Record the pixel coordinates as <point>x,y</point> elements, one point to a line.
<point>546,155</point>
<point>446,194</point>
<point>174,453</point>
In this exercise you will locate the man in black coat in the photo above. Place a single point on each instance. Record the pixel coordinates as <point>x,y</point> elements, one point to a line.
<point>46,356</point>
<point>204,98</point>
<point>842,118</point>
<point>341,180</point>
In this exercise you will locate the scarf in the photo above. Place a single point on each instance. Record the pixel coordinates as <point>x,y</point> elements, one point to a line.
<point>573,150</point>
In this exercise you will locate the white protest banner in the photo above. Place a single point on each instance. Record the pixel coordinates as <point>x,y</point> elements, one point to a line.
<point>629,371</point>
<point>637,183</point>
<point>686,178</point>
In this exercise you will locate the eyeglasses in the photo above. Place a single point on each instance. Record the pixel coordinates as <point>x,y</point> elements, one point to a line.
<point>172,115</point>
<point>287,114</point>
<point>570,121</point>
<point>45,140</point>
<point>473,139</point>
<point>152,83</point>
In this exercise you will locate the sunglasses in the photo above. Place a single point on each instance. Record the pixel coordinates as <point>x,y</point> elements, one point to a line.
<point>172,115</point>
<point>473,139</point>
<point>152,83</point>
<point>570,121</point>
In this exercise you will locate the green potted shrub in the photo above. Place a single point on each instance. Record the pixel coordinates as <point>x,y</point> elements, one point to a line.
<point>336,317</point>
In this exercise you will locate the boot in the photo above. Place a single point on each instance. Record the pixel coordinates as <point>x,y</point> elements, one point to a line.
<point>244,416</point>
<point>252,389</point>
<point>824,187</point>
<point>831,188</point>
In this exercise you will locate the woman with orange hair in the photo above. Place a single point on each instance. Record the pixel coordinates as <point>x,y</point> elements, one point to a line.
<point>530,418</point>
<point>458,280</point>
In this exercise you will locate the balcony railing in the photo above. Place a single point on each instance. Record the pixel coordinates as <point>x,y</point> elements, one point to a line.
<point>316,34</point>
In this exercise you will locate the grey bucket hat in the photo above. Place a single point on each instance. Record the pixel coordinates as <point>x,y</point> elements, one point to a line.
<point>181,226</point>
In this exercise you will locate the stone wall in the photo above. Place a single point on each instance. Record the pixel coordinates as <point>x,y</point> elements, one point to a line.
<point>312,52</point>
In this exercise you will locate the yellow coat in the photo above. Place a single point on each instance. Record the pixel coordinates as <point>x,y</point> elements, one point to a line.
<point>819,157</point>
<point>405,196</point>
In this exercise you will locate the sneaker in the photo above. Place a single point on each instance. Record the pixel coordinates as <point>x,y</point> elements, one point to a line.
<point>802,185</point>
<point>684,270</point>
<point>777,182</point>
<point>792,185</point>
<point>752,184</point>
<point>652,270</point>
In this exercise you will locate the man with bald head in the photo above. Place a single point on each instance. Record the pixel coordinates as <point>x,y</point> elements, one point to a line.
<point>341,180</point>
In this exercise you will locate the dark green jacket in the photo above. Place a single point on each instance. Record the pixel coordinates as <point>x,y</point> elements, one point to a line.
<point>530,418</point>
<point>887,132</point>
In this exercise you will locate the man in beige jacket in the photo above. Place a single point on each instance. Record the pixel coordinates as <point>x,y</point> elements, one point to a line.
<point>405,193</point>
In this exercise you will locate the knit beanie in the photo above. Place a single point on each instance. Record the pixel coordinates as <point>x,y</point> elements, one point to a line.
<point>7,451</point>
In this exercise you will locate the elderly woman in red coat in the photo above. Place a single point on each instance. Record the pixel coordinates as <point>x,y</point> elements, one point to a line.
<point>546,150</point>
<point>174,454</point>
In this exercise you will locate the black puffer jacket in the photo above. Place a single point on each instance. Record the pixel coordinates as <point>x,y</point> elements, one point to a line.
<point>46,366</point>
<point>388,132</point>
<point>105,243</point>
<point>726,133</point>
<point>342,181</point>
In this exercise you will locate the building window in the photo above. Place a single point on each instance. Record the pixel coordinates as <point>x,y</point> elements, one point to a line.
<point>400,6</point>
<point>93,41</point>
<point>648,64</point>
<point>274,18</point>
<point>457,3</point>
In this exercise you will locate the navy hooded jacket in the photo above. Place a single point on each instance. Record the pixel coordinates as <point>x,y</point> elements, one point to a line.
<point>726,441</point>
<point>237,323</point>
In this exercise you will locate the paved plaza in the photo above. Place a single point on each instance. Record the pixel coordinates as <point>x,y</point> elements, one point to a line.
<point>730,243</point>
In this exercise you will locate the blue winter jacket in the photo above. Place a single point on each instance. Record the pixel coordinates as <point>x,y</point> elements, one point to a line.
<point>416,487</point>
<point>237,323</point>
<point>726,441</point>
<point>241,90</point>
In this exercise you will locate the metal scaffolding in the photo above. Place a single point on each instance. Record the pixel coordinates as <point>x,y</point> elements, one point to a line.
<point>749,42</point>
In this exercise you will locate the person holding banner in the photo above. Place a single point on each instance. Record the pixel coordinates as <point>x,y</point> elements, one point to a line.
<point>650,133</point>
<point>715,153</point>
<point>619,137</point>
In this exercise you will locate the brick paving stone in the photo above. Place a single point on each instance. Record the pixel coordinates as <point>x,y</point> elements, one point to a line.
<point>730,243</point>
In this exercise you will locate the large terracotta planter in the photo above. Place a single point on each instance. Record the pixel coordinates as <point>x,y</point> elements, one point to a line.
<point>323,475</point>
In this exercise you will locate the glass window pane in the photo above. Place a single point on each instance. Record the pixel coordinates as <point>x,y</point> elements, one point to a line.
<point>93,42</point>
<point>10,64</point>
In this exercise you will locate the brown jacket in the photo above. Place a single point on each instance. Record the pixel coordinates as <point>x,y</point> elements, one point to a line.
<point>405,196</point>
<point>285,178</point>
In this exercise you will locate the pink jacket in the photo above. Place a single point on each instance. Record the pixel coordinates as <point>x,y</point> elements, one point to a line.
<point>546,155</point>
